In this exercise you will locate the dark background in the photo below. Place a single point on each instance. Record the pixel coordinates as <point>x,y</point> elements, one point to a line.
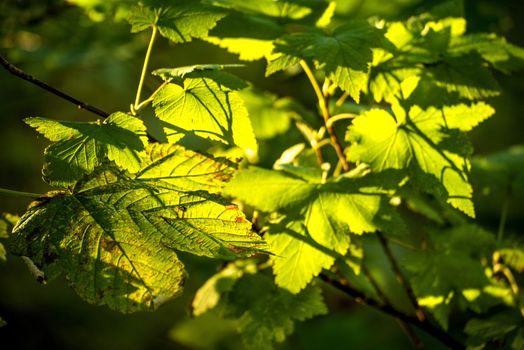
<point>99,62</point>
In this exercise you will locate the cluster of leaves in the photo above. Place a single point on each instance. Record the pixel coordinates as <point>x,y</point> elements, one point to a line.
<point>128,198</point>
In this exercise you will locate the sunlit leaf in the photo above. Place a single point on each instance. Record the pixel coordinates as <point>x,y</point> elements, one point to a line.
<point>424,142</point>
<point>269,115</point>
<point>115,237</point>
<point>179,22</point>
<point>319,218</point>
<point>343,55</point>
<point>205,104</point>
<point>82,146</point>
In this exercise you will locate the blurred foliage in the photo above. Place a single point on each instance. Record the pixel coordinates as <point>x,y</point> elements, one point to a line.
<point>88,54</point>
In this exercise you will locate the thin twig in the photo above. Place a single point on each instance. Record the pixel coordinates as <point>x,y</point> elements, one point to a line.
<point>415,340</point>
<point>410,333</point>
<point>400,277</point>
<point>19,193</point>
<point>21,74</point>
<point>324,109</point>
<point>362,299</point>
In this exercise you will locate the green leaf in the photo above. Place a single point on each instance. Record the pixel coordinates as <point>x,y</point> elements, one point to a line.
<point>247,35</point>
<point>496,50</point>
<point>343,55</point>
<point>292,9</point>
<point>425,143</point>
<point>266,314</point>
<point>320,218</point>
<point>466,76</point>
<point>82,146</point>
<point>209,295</point>
<point>251,27</point>
<point>269,115</point>
<point>180,22</point>
<point>450,269</point>
<point>114,237</point>
<point>7,222</point>
<point>440,53</point>
<point>499,327</point>
<point>168,74</point>
<point>173,165</point>
<point>206,105</point>
<point>281,190</point>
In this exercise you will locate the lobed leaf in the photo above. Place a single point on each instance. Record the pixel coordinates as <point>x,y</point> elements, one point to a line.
<point>206,105</point>
<point>173,165</point>
<point>251,27</point>
<point>82,146</point>
<point>424,142</point>
<point>343,55</point>
<point>319,218</point>
<point>451,269</point>
<point>180,22</point>
<point>114,237</point>
<point>264,313</point>
<point>439,52</point>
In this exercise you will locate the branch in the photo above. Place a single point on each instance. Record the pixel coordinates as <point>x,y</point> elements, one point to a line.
<point>23,75</point>
<point>324,108</point>
<point>400,277</point>
<point>415,340</point>
<point>424,325</point>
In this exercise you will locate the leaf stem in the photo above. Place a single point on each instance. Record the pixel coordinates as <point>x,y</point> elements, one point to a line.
<point>11,68</point>
<point>19,193</point>
<point>322,103</point>
<point>342,99</point>
<point>144,68</point>
<point>341,116</point>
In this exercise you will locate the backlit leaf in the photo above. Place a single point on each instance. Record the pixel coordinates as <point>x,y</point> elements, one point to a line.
<point>421,141</point>
<point>114,237</point>
<point>82,146</point>
<point>343,55</point>
<point>319,218</point>
<point>205,104</point>
<point>179,22</point>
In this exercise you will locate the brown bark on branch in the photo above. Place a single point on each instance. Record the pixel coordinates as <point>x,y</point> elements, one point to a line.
<point>11,68</point>
<point>424,325</point>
